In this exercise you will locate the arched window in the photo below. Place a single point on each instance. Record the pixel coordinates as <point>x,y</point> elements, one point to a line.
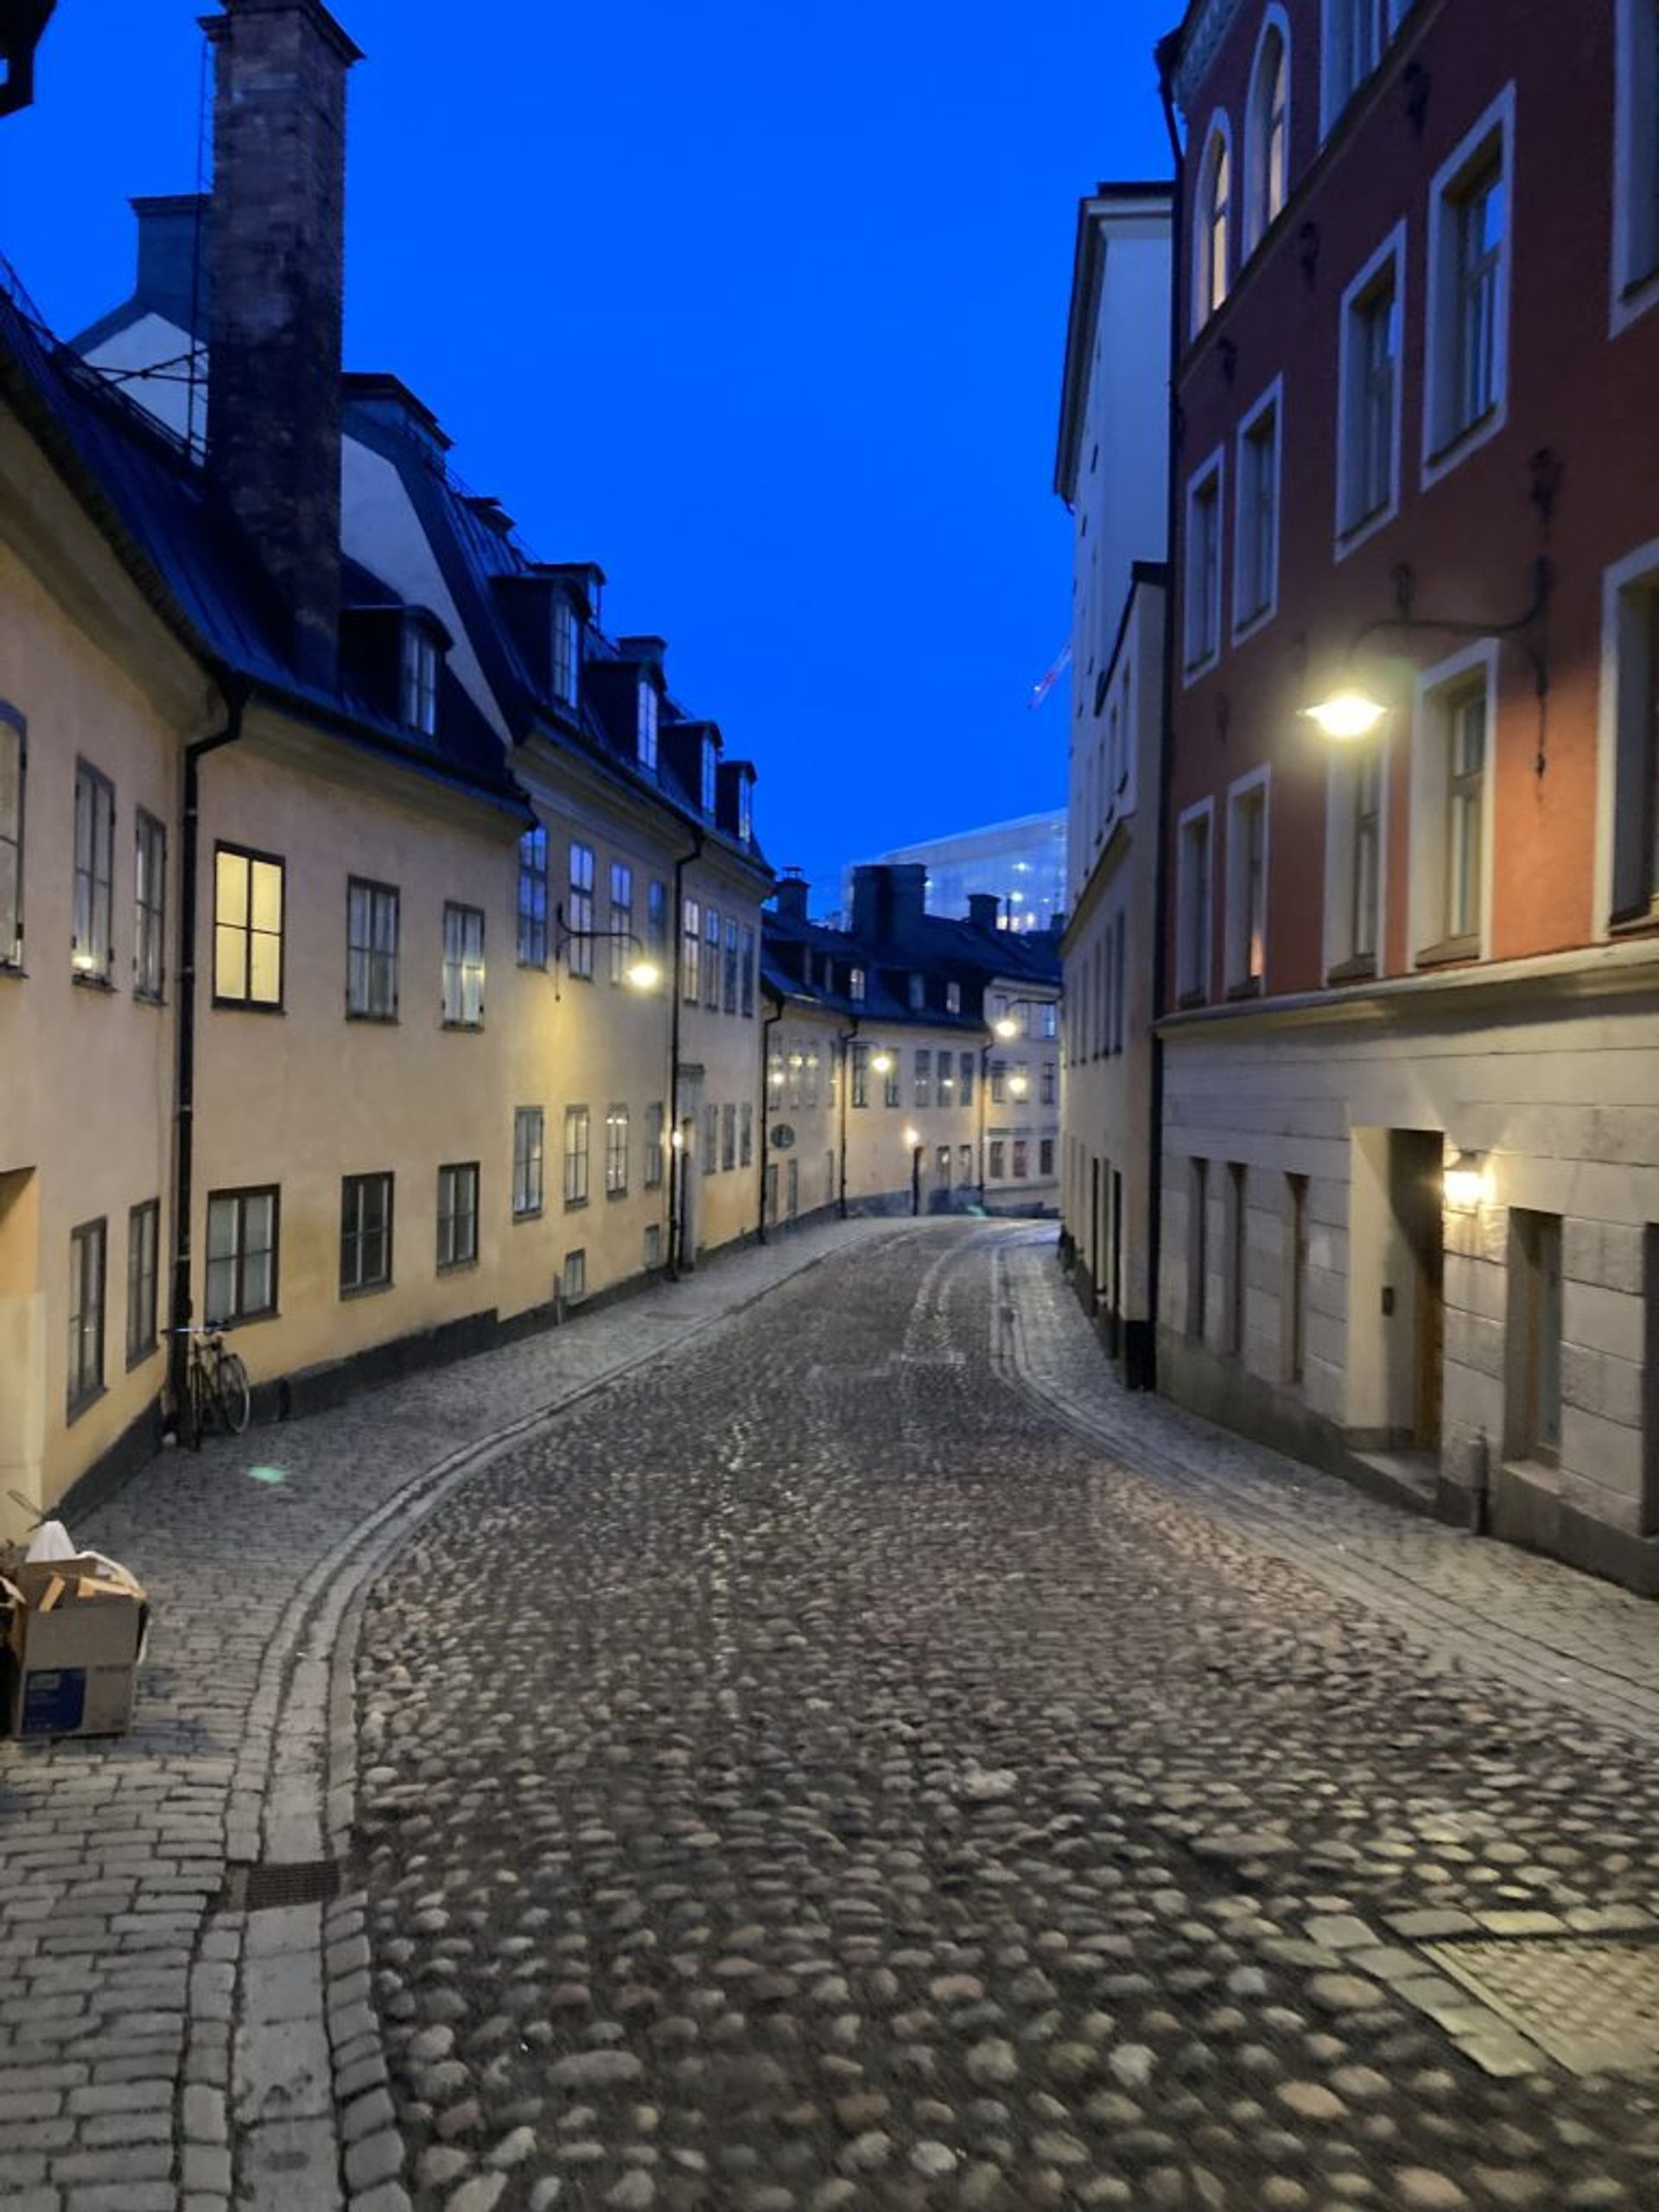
<point>1268,131</point>
<point>1212,232</point>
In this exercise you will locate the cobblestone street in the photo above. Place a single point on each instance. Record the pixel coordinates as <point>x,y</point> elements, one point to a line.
<point>812,1774</point>
<point>802,1738</point>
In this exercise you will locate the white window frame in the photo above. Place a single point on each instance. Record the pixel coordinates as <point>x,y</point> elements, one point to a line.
<point>1340,82</point>
<point>456,1216</point>
<point>1441,452</point>
<point>529,1162</point>
<point>1436,688</point>
<point>1238,921</point>
<point>645,726</point>
<point>624,948</point>
<point>1248,621</point>
<point>1213,468</point>
<point>566,651</point>
<point>1340,789</point>
<point>1259,216</point>
<point>616,1152</point>
<point>418,677</point>
<point>1195,960</point>
<point>1620,733</point>
<point>1208,299</point>
<point>1349,535</point>
<point>1634,283</point>
<point>463,965</point>
<point>579,913</point>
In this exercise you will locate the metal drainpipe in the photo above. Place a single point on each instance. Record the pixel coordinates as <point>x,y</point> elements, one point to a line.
<point>677,1152</point>
<point>184,1079</point>
<point>769,1022</point>
<point>1167,55</point>
<point>845,1042</point>
<point>984,1067</point>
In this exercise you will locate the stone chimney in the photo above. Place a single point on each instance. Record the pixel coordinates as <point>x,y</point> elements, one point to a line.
<point>169,281</point>
<point>890,901</point>
<point>277,245</point>
<point>792,889</point>
<point>982,909</point>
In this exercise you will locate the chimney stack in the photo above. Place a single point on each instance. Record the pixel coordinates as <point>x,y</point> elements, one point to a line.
<point>792,889</point>
<point>983,910</point>
<point>278,244</point>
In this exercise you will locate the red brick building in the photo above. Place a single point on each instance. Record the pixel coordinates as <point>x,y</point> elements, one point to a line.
<point>1417,461</point>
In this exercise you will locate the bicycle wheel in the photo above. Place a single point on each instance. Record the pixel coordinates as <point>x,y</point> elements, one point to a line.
<point>199,1398</point>
<point>231,1390</point>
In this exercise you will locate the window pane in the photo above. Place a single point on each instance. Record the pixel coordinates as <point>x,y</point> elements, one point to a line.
<point>230,888</point>
<point>264,972</point>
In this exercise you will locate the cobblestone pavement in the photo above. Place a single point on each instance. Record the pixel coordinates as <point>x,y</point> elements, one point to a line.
<point>817,1773</point>
<point>158,2046</point>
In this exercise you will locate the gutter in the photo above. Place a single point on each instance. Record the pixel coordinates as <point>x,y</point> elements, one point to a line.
<point>184,1078</point>
<point>1169,53</point>
<point>677,1149</point>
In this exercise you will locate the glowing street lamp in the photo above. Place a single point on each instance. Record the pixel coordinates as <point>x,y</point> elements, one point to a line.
<point>1348,716</point>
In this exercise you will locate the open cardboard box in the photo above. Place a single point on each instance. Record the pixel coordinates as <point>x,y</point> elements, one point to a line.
<point>74,1634</point>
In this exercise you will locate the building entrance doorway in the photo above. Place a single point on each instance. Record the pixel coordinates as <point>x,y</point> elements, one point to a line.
<point>1397,1318</point>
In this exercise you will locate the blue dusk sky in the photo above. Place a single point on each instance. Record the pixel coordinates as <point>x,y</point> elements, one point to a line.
<point>762,311</point>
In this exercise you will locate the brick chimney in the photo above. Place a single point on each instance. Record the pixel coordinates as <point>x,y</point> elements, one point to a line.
<point>890,901</point>
<point>277,245</point>
<point>982,906</point>
<point>791,890</point>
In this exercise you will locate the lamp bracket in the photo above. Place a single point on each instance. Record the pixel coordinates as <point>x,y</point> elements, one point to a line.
<point>1403,618</point>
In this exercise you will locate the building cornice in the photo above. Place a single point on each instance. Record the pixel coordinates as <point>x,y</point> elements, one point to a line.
<point>1509,990</point>
<point>1206,27</point>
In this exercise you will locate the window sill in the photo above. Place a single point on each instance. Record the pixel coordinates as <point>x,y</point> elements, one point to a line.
<point>459,1266</point>
<point>372,1020</point>
<point>1360,970</point>
<point>364,1289</point>
<point>149,998</point>
<point>136,1359</point>
<point>77,1407</point>
<point>225,1322</point>
<point>1192,998</point>
<point>575,1205</point>
<point>1639,921</point>
<point>1247,625</point>
<point>246,1006</point>
<point>1449,952</point>
<point>83,981</point>
<point>1358,531</point>
<point>468,1028</point>
<point>622,1193</point>
<point>532,967</point>
<point>526,1213</point>
<point>14,969</point>
<point>1467,438</point>
<point>1248,987</point>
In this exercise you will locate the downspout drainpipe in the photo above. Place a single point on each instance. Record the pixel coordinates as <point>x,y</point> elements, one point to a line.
<point>676,1146</point>
<point>845,1041</point>
<point>769,1022</point>
<point>184,1079</point>
<point>1167,55</point>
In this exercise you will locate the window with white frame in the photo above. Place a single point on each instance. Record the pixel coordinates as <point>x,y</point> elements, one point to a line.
<point>1635,159</point>
<point>149,906</point>
<point>371,951</point>
<point>1267,131</point>
<point>1367,440</point>
<point>1451,798</point>
<point>710,760</point>
<point>645,726</point>
<point>691,952</point>
<point>1192,903</point>
<point>365,1233</point>
<point>616,1153</point>
<point>1247,883</point>
<point>457,1244</point>
<point>1203,611</point>
<point>623,949</point>
<point>856,985</point>
<point>580,914</point>
<point>1468,253</point>
<point>242,1249</point>
<point>1255,546</point>
<point>532,898</point>
<point>143,1246</point>
<point>11,837</point>
<point>529,1126</point>
<point>93,947</point>
<point>567,651</point>
<point>88,1255</point>
<point>656,919</point>
<point>463,966</point>
<point>1213,224</point>
<point>574,1283</point>
<point>711,959</point>
<point>652,1165</point>
<point>1355,34</point>
<point>1633,625</point>
<point>576,1155</point>
<point>419,691</point>
<point>1354,861</point>
<point>745,807</point>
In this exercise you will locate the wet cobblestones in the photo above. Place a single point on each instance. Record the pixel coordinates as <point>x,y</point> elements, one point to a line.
<point>810,1776</point>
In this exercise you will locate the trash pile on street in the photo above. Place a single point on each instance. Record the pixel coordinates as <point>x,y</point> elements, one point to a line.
<point>72,1633</point>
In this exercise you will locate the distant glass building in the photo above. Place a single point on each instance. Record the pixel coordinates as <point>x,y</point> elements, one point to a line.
<point>1022,862</point>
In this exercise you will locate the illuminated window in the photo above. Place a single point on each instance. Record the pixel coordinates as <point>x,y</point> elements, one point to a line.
<point>247,928</point>
<point>93,950</point>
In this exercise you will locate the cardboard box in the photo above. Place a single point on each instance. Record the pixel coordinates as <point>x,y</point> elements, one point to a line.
<point>73,1639</point>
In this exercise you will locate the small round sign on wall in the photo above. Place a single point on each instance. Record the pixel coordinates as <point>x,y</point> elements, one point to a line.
<point>783,1137</point>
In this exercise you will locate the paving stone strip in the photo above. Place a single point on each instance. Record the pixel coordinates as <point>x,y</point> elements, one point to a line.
<point>1529,1622</point>
<point>162,2049</point>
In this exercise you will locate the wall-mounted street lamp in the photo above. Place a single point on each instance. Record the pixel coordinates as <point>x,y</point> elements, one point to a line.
<point>1350,713</point>
<point>1467,1183</point>
<point>642,972</point>
<point>881,1063</point>
<point>1019,1084</point>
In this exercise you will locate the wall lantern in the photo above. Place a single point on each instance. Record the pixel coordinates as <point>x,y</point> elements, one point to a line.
<point>1019,1085</point>
<point>1350,713</point>
<point>882,1063</point>
<point>1006,1027</point>
<point>1467,1182</point>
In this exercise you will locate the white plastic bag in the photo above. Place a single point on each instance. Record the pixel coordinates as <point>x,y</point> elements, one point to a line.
<point>49,1542</point>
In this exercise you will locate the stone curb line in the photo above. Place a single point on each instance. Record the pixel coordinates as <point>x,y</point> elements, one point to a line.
<point>1608,1700</point>
<point>304,2082</point>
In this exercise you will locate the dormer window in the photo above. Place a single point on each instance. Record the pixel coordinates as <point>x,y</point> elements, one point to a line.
<point>567,652</point>
<point>855,986</point>
<point>419,687</point>
<point>708,766</point>
<point>745,811</point>
<point>918,993</point>
<point>645,726</point>
<point>953,998</point>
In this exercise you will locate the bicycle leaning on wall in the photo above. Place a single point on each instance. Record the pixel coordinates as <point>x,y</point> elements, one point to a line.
<point>217,1392</point>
